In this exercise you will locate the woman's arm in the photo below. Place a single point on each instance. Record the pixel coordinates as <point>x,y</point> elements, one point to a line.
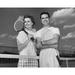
<point>38,43</point>
<point>21,46</point>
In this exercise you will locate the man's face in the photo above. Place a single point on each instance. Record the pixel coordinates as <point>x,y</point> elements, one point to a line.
<point>45,19</point>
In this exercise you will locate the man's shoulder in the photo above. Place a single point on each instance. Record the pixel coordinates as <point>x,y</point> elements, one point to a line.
<point>53,27</point>
<point>55,30</point>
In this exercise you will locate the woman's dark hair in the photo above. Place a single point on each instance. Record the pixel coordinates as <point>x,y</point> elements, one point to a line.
<point>31,17</point>
<point>45,13</point>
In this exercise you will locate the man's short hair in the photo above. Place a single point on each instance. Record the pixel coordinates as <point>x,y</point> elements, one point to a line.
<point>45,13</point>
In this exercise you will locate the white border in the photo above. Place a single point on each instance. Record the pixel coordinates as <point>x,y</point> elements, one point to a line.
<point>37,3</point>
<point>30,4</point>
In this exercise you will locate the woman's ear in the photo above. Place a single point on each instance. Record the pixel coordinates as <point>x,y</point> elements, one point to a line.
<point>32,23</point>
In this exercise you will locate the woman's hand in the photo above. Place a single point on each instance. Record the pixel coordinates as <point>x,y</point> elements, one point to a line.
<point>38,43</point>
<point>30,36</point>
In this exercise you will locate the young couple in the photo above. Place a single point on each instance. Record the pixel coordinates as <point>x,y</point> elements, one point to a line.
<point>46,39</point>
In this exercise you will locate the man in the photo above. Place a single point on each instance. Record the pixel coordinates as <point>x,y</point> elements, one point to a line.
<point>48,42</point>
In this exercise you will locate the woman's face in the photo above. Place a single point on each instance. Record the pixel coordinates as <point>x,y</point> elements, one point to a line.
<point>28,23</point>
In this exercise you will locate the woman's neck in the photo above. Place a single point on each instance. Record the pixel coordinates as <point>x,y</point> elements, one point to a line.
<point>46,25</point>
<point>29,29</point>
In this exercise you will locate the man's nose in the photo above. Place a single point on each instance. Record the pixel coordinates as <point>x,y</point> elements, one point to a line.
<point>27,23</point>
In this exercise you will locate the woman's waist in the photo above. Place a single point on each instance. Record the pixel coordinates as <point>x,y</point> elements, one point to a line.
<point>28,52</point>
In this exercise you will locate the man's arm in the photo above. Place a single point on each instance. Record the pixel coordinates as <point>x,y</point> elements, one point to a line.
<point>51,42</point>
<point>48,43</point>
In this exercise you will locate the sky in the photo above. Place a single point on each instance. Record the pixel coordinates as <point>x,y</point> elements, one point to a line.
<point>61,17</point>
<point>65,19</point>
<point>7,18</point>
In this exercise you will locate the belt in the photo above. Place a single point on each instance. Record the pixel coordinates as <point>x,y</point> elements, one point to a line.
<point>50,46</point>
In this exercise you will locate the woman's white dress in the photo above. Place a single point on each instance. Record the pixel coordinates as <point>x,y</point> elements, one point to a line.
<point>29,50</point>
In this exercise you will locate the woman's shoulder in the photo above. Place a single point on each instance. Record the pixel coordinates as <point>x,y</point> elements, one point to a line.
<point>21,34</point>
<point>21,31</point>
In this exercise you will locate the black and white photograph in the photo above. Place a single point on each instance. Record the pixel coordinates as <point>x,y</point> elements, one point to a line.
<point>37,37</point>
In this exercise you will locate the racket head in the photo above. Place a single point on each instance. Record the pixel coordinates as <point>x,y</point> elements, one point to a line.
<point>19,24</point>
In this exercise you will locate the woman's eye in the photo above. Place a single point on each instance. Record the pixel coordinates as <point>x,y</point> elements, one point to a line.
<point>28,21</point>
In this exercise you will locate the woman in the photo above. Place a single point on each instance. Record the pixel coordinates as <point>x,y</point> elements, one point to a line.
<point>25,40</point>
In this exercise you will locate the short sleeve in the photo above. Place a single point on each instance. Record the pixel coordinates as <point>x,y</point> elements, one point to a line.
<point>22,37</point>
<point>56,31</point>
